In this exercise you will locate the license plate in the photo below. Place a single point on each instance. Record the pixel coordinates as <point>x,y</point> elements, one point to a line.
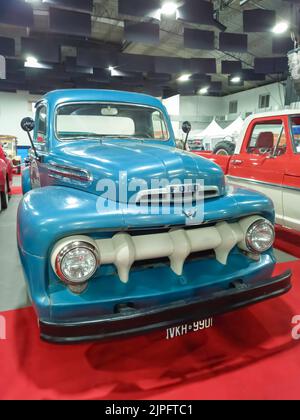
<point>184,329</point>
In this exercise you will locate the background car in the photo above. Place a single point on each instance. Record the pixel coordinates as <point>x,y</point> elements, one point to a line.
<point>6,175</point>
<point>9,145</point>
<point>266,158</point>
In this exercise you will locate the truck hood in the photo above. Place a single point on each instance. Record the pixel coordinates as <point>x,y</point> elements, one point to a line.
<point>138,161</point>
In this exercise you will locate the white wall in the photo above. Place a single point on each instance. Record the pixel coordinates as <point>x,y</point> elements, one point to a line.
<point>14,107</point>
<point>172,104</point>
<point>248,100</point>
<point>173,107</point>
<point>201,109</point>
<point>191,107</point>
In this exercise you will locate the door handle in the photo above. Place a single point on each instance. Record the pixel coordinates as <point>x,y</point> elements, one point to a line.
<point>237,162</point>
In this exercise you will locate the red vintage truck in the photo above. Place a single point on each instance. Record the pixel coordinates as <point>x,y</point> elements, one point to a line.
<point>6,175</point>
<point>267,158</point>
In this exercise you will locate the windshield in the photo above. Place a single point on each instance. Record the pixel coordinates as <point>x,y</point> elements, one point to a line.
<point>295,128</point>
<point>98,120</point>
<point>196,145</point>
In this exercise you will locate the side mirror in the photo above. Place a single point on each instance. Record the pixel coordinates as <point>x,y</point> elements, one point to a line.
<point>27,124</point>
<point>186,128</point>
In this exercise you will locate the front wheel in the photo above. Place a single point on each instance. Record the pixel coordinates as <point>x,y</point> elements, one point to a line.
<point>224,148</point>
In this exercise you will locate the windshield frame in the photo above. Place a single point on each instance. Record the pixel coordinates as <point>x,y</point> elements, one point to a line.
<point>294,149</point>
<point>107,136</point>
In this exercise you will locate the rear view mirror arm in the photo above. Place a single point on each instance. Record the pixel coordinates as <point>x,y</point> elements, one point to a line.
<point>27,125</point>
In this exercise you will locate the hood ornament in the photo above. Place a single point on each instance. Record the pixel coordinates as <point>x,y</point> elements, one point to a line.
<point>190,214</point>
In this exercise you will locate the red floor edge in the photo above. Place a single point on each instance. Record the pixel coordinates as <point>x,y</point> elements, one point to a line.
<point>248,354</point>
<point>16,190</point>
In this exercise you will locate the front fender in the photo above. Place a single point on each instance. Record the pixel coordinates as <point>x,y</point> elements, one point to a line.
<point>49,214</point>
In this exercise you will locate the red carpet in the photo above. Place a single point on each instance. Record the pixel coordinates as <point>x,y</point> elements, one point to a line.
<point>288,240</point>
<point>16,190</point>
<point>247,354</point>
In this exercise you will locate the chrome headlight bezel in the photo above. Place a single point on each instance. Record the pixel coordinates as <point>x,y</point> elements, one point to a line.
<point>252,229</point>
<point>65,251</point>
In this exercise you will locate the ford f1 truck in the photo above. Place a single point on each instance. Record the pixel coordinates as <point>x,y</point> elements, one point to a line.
<point>105,253</point>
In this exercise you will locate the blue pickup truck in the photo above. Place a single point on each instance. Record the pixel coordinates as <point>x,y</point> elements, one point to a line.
<point>120,233</point>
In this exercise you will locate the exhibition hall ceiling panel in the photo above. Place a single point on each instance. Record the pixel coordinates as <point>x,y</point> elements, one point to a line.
<point>138,44</point>
<point>80,5</point>
<point>144,32</point>
<point>197,11</point>
<point>199,39</point>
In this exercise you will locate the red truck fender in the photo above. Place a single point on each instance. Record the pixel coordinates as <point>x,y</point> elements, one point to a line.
<point>221,160</point>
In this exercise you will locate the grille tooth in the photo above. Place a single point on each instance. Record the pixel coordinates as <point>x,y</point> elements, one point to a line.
<point>165,196</point>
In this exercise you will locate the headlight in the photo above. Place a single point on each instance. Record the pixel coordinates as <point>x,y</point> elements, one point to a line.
<point>260,236</point>
<point>77,262</point>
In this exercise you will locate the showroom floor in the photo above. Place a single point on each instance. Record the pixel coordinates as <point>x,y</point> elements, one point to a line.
<point>246,354</point>
<point>13,291</point>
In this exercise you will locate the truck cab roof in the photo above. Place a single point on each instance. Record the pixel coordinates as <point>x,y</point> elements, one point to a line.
<point>58,97</point>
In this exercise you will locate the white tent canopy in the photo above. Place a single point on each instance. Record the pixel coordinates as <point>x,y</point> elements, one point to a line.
<point>213,130</point>
<point>234,129</point>
<point>210,136</point>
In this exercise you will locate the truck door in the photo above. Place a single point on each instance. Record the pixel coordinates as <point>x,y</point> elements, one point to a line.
<point>38,172</point>
<point>291,182</point>
<point>263,159</point>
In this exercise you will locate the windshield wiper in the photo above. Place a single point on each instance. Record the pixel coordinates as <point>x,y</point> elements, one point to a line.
<point>127,137</point>
<point>84,136</point>
<point>102,137</point>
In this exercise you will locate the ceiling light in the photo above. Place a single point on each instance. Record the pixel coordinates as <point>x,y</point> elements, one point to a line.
<point>114,71</point>
<point>280,28</point>
<point>31,60</point>
<point>169,8</point>
<point>203,90</point>
<point>235,79</point>
<point>184,78</point>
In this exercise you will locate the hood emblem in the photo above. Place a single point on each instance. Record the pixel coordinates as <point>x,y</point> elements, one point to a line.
<point>190,213</point>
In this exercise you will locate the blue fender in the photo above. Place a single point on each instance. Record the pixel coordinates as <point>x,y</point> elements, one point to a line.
<point>49,214</point>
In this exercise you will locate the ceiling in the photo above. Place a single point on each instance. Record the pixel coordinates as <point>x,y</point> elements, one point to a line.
<point>80,63</point>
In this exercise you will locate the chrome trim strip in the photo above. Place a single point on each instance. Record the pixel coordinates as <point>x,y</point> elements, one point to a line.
<point>269,184</point>
<point>56,171</point>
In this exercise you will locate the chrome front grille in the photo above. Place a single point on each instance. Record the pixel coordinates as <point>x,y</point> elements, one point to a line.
<point>176,195</point>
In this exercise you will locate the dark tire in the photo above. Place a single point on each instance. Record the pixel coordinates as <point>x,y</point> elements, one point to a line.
<point>4,198</point>
<point>225,148</point>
